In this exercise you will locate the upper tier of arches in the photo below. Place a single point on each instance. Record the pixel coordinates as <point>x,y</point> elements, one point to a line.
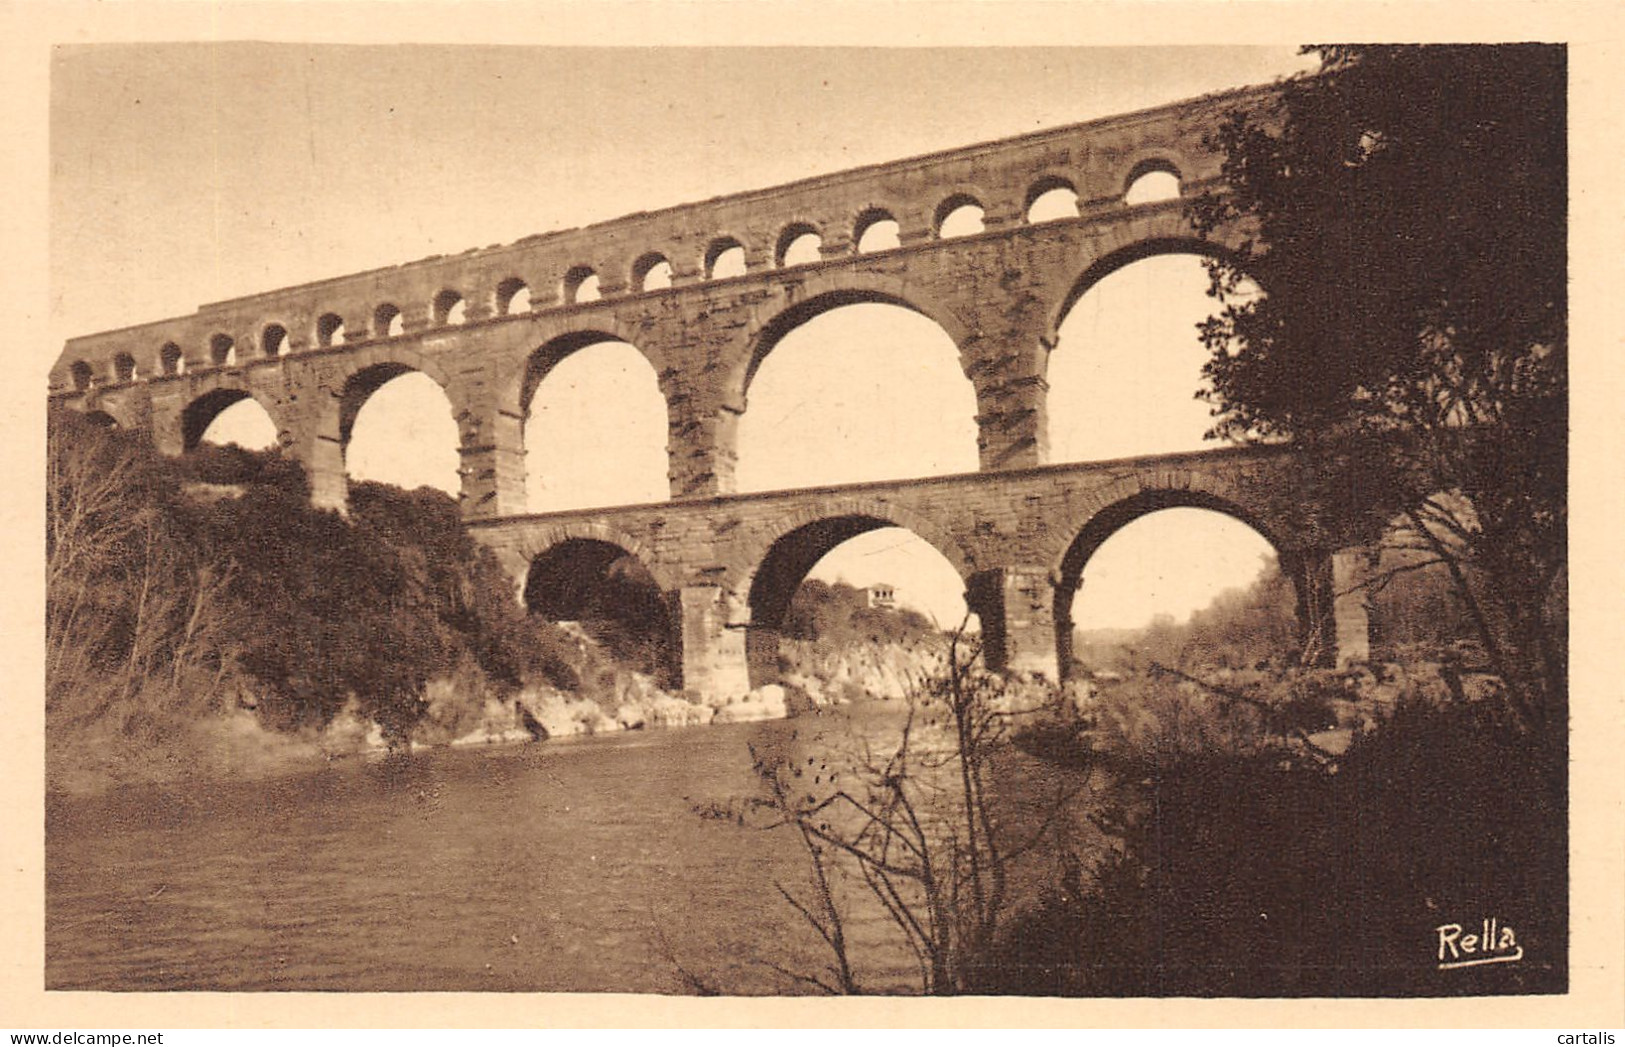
<point>975,191</point>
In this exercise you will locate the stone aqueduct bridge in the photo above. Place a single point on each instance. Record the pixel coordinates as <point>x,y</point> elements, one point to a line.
<point>1018,531</point>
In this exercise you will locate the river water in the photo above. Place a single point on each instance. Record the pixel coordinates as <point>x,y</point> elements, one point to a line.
<point>575,865</point>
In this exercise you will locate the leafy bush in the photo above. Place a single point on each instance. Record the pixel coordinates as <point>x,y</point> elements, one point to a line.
<point>839,614</point>
<point>1268,873</point>
<point>246,594</point>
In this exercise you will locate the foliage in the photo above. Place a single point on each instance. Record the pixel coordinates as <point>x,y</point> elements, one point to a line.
<point>918,822</point>
<point>128,596</point>
<point>626,612</point>
<point>214,577</point>
<point>1415,604</point>
<point>1239,629</point>
<point>839,615</point>
<point>1270,874</point>
<point>1406,217</point>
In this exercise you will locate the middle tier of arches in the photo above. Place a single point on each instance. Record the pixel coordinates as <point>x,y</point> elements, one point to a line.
<point>994,316</point>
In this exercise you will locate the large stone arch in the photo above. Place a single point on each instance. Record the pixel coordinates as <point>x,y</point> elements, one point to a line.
<point>365,372</point>
<point>633,417</point>
<point>607,581</point>
<point>1120,503</point>
<point>763,580</point>
<point>821,292</point>
<point>1131,498</point>
<point>208,397</point>
<point>350,379</point>
<point>747,559</point>
<point>524,371</point>
<point>115,410</point>
<point>545,537</point>
<point>1162,230</point>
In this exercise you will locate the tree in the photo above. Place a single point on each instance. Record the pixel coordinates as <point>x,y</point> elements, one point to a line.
<point>920,822</point>
<point>1405,216</point>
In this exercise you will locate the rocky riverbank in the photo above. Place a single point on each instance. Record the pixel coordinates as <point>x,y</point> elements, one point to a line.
<point>461,710</point>
<point>813,675</point>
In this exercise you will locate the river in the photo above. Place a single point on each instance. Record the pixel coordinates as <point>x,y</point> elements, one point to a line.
<point>575,865</point>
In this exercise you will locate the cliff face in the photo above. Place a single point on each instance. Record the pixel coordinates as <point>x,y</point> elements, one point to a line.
<point>833,674</point>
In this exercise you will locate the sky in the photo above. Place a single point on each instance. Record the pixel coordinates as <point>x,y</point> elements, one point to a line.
<point>182,174</point>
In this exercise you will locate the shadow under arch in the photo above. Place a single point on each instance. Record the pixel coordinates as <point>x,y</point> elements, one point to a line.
<point>615,597</point>
<point>796,549</point>
<point>843,290</point>
<point>542,542</point>
<point>107,413</point>
<point>1113,518</point>
<point>198,415</point>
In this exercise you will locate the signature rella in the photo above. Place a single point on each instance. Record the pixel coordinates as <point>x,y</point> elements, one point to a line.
<point>1495,942</point>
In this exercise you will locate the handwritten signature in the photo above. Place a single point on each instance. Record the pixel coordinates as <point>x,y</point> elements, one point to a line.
<point>1491,942</point>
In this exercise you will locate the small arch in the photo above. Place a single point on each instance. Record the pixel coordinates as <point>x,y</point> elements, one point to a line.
<point>799,244</point>
<point>83,376</point>
<point>274,340</point>
<point>123,368</point>
<point>724,258</point>
<point>387,321</point>
<point>171,360</point>
<point>652,272</point>
<point>329,330</point>
<point>449,308</point>
<point>513,296</point>
<point>959,215</point>
<point>876,230</point>
<point>1151,181</point>
<point>581,285</point>
<point>1051,198</point>
<point>222,350</point>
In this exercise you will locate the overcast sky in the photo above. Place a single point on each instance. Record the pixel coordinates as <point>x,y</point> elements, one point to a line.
<point>182,174</point>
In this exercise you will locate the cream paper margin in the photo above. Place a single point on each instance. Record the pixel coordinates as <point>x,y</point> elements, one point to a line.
<point>1593,32</point>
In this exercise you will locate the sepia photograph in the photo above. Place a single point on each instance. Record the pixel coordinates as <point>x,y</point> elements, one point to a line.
<point>1069,521</point>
